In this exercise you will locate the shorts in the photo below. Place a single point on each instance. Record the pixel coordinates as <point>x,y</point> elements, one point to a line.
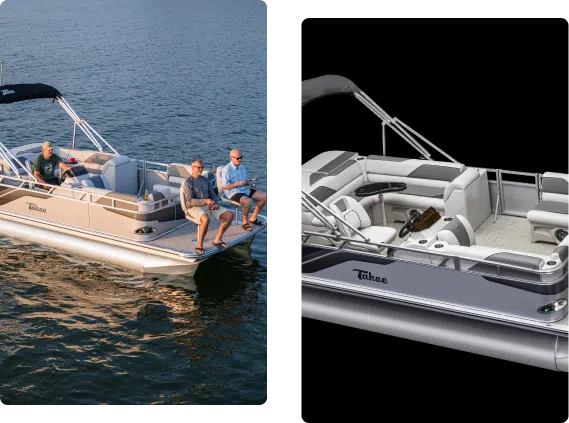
<point>195,213</point>
<point>237,197</point>
<point>53,181</point>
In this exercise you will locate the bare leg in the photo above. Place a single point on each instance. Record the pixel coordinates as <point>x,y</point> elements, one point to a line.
<point>226,218</point>
<point>204,223</point>
<point>245,207</point>
<point>261,198</point>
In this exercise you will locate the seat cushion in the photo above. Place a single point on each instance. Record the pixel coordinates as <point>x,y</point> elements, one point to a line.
<point>549,213</point>
<point>376,234</point>
<point>416,201</point>
<point>173,190</point>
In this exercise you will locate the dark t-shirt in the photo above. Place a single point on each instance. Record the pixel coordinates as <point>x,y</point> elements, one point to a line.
<point>46,167</point>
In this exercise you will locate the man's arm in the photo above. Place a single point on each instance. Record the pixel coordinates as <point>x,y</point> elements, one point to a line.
<point>227,186</point>
<point>38,176</point>
<point>63,166</point>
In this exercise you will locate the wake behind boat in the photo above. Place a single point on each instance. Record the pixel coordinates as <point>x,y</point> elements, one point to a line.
<point>108,206</point>
<point>435,251</point>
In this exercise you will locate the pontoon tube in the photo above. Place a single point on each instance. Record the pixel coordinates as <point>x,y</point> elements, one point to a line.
<point>548,351</point>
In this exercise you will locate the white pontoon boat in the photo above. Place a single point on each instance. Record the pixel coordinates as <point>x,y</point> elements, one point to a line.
<point>435,251</point>
<point>100,209</point>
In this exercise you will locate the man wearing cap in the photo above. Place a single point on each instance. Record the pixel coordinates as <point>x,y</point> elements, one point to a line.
<point>45,164</point>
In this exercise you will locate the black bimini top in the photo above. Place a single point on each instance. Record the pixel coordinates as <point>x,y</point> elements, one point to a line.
<point>21,92</point>
<point>326,85</point>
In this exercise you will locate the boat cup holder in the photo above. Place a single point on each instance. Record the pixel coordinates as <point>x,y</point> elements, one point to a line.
<point>560,234</point>
<point>145,230</point>
<point>438,245</point>
<point>551,263</point>
<point>447,219</point>
<point>422,241</point>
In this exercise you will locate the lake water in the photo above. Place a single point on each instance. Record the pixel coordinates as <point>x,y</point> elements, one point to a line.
<point>166,81</point>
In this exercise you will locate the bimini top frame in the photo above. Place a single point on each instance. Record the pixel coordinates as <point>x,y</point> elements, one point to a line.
<point>326,85</point>
<point>21,92</point>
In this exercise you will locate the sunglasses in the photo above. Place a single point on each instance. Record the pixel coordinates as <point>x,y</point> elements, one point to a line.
<point>198,167</point>
<point>237,158</point>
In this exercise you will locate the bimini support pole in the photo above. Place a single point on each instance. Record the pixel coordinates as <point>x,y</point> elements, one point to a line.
<point>84,126</point>
<point>400,128</point>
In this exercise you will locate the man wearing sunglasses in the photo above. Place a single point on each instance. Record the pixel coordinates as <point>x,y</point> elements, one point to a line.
<point>199,201</point>
<point>46,163</point>
<point>236,186</point>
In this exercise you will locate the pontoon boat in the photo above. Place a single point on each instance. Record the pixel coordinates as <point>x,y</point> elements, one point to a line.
<point>435,251</point>
<point>100,209</point>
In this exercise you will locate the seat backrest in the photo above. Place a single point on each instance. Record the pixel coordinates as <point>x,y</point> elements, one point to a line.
<point>342,181</point>
<point>97,181</point>
<point>555,187</point>
<point>413,168</point>
<point>457,232</point>
<point>327,161</point>
<point>219,184</point>
<point>352,212</point>
<point>122,174</point>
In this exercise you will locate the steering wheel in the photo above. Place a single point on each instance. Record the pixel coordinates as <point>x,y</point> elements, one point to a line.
<point>410,224</point>
<point>64,175</point>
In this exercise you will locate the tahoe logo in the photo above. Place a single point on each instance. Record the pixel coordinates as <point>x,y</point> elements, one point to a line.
<point>6,92</point>
<point>367,276</point>
<point>35,207</point>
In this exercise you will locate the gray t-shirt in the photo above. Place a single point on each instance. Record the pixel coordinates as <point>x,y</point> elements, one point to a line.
<point>195,191</point>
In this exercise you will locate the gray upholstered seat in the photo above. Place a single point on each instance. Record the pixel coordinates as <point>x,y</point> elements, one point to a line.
<point>122,174</point>
<point>353,213</point>
<point>549,218</point>
<point>97,181</point>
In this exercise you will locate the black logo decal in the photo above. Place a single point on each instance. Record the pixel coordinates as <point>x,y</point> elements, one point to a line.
<point>367,276</point>
<point>35,207</point>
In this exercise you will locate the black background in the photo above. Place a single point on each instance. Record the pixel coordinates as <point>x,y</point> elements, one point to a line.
<point>491,93</point>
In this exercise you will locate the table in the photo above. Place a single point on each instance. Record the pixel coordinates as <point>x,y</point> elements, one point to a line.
<point>380,188</point>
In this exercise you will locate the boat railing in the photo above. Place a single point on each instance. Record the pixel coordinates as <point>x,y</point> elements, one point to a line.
<point>311,204</point>
<point>82,195</point>
<point>502,199</point>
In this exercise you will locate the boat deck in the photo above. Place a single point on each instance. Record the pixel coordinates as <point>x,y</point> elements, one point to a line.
<point>508,232</point>
<point>183,239</point>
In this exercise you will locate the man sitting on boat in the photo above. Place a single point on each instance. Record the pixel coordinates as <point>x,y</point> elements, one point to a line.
<point>45,164</point>
<point>199,201</point>
<point>236,186</point>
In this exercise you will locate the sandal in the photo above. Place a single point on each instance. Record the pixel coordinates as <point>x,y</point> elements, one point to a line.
<point>247,227</point>
<point>220,244</point>
<point>199,251</point>
<point>256,222</point>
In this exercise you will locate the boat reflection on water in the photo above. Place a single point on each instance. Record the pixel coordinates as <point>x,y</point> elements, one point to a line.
<point>231,268</point>
<point>21,260</point>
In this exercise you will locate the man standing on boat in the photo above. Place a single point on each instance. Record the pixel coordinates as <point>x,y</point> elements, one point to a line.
<point>199,201</point>
<point>45,164</point>
<point>236,186</point>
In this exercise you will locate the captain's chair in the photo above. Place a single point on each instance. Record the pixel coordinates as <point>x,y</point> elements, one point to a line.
<point>353,213</point>
<point>221,193</point>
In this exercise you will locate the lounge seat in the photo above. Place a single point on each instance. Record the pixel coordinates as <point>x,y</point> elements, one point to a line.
<point>549,218</point>
<point>450,188</point>
<point>341,181</point>
<point>353,213</point>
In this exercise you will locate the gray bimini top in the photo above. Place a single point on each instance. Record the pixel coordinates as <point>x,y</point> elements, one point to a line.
<point>325,85</point>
